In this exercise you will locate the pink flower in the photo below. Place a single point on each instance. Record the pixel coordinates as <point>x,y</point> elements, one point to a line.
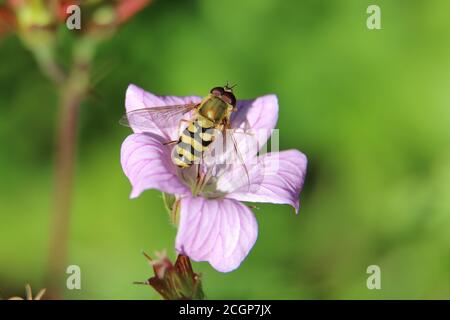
<point>214,225</point>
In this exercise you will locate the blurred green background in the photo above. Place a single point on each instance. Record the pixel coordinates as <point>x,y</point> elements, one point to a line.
<point>370,109</point>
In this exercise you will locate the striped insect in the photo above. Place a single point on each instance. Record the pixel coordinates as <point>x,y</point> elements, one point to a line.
<point>209,117</point>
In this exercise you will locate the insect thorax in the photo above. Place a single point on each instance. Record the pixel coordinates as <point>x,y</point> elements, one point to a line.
<point>215,109</point>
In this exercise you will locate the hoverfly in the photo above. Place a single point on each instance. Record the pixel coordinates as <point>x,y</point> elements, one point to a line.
<point>210,116</point>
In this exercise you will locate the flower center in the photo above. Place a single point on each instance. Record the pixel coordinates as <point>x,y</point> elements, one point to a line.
<point>201,181</point>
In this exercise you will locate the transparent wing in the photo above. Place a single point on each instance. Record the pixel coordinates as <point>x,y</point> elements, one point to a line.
<point>156,117</point>
<point>239,157</point>
<point>232,161</point>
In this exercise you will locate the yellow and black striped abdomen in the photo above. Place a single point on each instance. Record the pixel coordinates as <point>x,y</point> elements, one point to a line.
<point>194,140</point>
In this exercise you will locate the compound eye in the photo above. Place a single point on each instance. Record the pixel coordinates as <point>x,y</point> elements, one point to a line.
<point>229,98</point>
<point>217,91</point>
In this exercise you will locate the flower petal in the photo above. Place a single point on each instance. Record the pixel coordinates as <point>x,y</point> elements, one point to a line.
<point>280,179</point>
<point>138,98</point>
<point>259,115</point>
<point>147,164</point>
<point>220,231</point>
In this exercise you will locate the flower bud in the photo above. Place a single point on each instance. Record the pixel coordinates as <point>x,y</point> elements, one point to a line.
<point>175,282</point>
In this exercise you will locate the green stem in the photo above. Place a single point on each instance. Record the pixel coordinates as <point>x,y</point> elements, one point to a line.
<point>72,92</point>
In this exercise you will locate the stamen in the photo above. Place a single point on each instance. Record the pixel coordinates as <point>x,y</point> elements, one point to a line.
<point>199,183</point>
<point>206,177</point>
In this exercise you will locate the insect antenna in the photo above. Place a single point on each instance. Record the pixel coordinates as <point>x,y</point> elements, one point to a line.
<point>228,87</point>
